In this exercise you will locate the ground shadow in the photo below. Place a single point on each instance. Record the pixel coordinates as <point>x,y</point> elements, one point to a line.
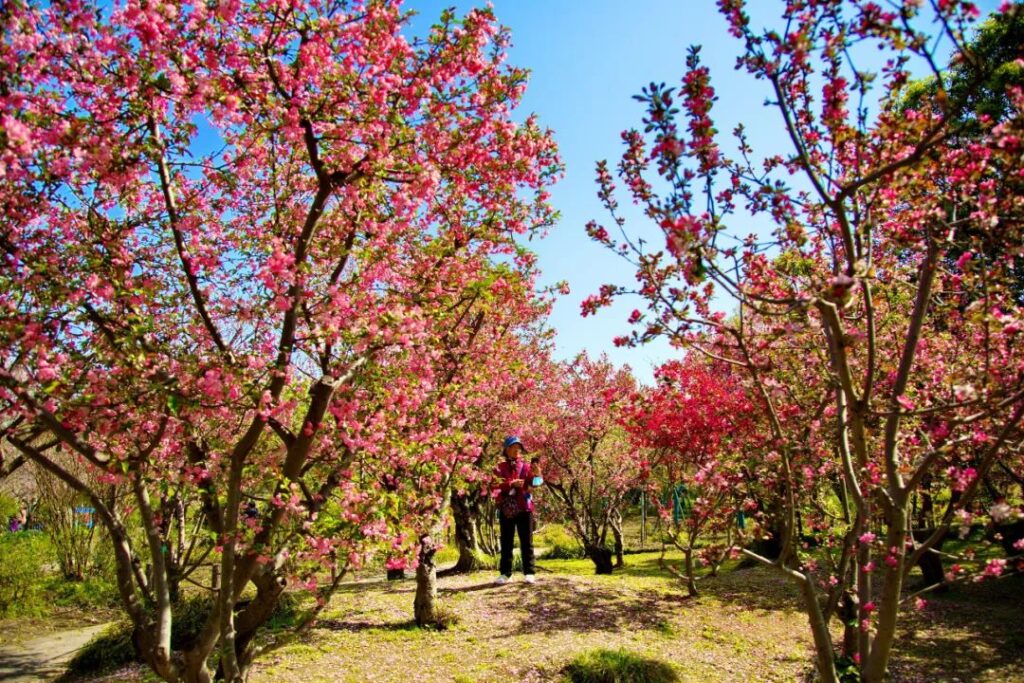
<point>963,634</point>
<point>31,666</point>
<point>350,626</point>
<point>756,587</point>
<point>472,588</point>
<point>560,604</point>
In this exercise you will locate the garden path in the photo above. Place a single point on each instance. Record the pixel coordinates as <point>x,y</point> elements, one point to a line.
<point>43,658</point>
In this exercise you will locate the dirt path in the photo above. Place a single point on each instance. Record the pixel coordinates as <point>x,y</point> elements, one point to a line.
<point>44,658</point>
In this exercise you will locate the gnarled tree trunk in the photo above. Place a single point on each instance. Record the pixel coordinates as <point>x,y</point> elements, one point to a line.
<point>465,512</point>
<point>425,603</point>
<point>601,557</point>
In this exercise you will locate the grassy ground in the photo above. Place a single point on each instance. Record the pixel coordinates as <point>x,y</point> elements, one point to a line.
<point>520,632</point>
<point>746,626</point>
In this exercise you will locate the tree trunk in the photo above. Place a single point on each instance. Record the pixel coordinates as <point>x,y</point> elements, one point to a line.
<point>875,668</point>
<point>616,525</point>
<point>932,571</point>
<point>465,509</point>
<point>486,534</point>
<point>425,603</point>
<point>925,511</point>
<point>601,557</point>
<point>848,615</point>
<point>824,654</point>
<point>770,548</point>
<point>691,577</point>
<point>256,613</point>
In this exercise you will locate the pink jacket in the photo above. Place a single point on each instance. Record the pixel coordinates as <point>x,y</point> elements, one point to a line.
<point>506,473</point>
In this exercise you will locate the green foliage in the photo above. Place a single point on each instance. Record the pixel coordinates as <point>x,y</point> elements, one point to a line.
<point>618,666</point>
<point>109,650</point>
<point>23,555</point>
<point>977,86</point>
<point>9,507</point>
<point>560,544</point>
<point>94,592</point>
<point>287,613</point>
<point>189,617</point>
<point>449,553</point>
<point>847,670</point>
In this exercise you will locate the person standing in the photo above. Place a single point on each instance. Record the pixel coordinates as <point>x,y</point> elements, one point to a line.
<point>515,508</point>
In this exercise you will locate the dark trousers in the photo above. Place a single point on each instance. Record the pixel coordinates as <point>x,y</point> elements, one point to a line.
<point>523,523</point>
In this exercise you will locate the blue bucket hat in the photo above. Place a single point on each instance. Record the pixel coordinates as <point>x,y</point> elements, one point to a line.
<point>511,441</point>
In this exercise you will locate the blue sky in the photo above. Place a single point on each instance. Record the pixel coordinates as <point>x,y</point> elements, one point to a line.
<point>588,58</point>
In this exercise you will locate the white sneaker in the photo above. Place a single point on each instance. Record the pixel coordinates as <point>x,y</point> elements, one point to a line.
<point>530,578</point>
<point>502,580</point>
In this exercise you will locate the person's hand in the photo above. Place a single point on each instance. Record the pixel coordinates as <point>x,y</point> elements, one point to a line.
<point>516,482</point>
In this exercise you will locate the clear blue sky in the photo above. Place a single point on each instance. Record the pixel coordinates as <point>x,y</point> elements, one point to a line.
<point>588,58</point>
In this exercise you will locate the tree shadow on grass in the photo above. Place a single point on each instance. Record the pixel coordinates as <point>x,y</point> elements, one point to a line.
<point>760,588</point>
<point>971,632</point>
<point>472,588</point>
<point>560,604</point>
<point>351,626</point>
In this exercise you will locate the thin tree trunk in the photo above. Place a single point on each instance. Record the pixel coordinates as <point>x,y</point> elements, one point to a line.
<point>848,614</point>
<point>889,604</point>
<point>691,577</point>
<point>824,653</point>
<point>616,525</point>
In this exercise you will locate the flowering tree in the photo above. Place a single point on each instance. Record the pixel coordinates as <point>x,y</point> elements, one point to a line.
<point>912,354</point>
<point>517,363</point>
<point>694,428</point>
<point>478,370</point>
<point>296,196</point>
<point>571,419</point>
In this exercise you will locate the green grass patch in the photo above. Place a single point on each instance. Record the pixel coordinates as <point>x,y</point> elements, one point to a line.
<point>22,579</point>
<point>618,666</point>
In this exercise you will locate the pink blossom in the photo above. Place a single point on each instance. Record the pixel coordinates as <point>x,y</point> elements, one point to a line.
<point>994,567</point>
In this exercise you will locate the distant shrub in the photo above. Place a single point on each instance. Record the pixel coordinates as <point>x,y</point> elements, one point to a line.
<point>449,553</point>
<point>93,592</point>
<point>618,666</point>
<point>560,544</point>
<point>9,507</point>
<point>23,555</point>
